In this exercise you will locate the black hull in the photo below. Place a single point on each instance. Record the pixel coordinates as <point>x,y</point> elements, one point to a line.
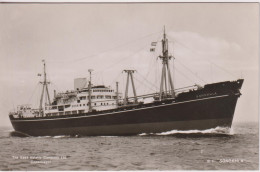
<point>200,114</point>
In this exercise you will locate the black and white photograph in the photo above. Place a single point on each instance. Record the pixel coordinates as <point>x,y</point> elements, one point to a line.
<point>129,86</point>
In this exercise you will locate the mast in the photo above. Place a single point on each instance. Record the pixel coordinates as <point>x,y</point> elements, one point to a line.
<point>89,91</point>
<point>165,57</point>
<point>44,87</point>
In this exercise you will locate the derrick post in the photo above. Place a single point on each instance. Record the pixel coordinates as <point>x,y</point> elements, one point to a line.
<point>129,74</point>
<point>126,90</point>
<point>133,85</point>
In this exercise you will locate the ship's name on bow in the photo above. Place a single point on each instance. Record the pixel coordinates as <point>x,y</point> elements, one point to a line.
<point>206,95</point>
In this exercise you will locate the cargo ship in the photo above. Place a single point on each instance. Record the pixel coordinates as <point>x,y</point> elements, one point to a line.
<point>98,110</point>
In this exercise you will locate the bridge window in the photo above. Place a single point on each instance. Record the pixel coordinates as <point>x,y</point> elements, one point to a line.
<point>108,97</point>
<point>82,98</point>
<point>99,97</point>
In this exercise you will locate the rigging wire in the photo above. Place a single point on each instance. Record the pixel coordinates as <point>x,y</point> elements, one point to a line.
<point>184,75</point>
<point>143,83</point>
<point>156,73</point>
<point>29,100</point>
<point>57,88</point>
<point>149,66</point>
<point>147,80</point>
<point>124,83</point>
<point>105,51</point>
<point>38,99</point>
<point>173,71</point>
<point>127,57</point>
<point>222,68</point>
<point>185,65</point>
<point>146,76</point>
<point>190,71</point>
<point>45,96</point>
<point>153,56</point>
<point>115,80</point>
<point>115,48</point>
<point>149,69</point>
<point>121,60</point>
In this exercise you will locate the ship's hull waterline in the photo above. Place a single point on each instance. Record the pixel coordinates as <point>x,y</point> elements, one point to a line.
<point>199,114</point>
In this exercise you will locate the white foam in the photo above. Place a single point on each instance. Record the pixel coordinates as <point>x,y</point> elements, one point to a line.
<point>61,136</point>
<point>108,136</point>
<point>43,136</point>
<point>143,134</point>
<point>217,130</point>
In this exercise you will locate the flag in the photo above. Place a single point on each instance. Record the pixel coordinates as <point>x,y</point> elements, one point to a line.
<point>152,49</point>
<point>153,43</point>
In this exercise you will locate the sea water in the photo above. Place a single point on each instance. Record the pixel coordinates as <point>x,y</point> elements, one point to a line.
<point>213,149</point>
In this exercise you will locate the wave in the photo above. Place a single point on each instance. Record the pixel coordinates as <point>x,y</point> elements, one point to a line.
<point>58,136</point>
<point>18,134</point>
<point>218,131</point>
<point>108,136</point>
<point>44,137</point>
<point>61,136</point>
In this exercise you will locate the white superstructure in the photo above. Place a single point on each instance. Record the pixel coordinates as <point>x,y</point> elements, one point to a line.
<point>77,101</point>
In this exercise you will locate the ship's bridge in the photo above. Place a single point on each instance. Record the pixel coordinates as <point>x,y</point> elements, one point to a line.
<point>71,102</point>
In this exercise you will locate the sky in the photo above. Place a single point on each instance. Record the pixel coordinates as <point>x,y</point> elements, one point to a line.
<point>210,42</point>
